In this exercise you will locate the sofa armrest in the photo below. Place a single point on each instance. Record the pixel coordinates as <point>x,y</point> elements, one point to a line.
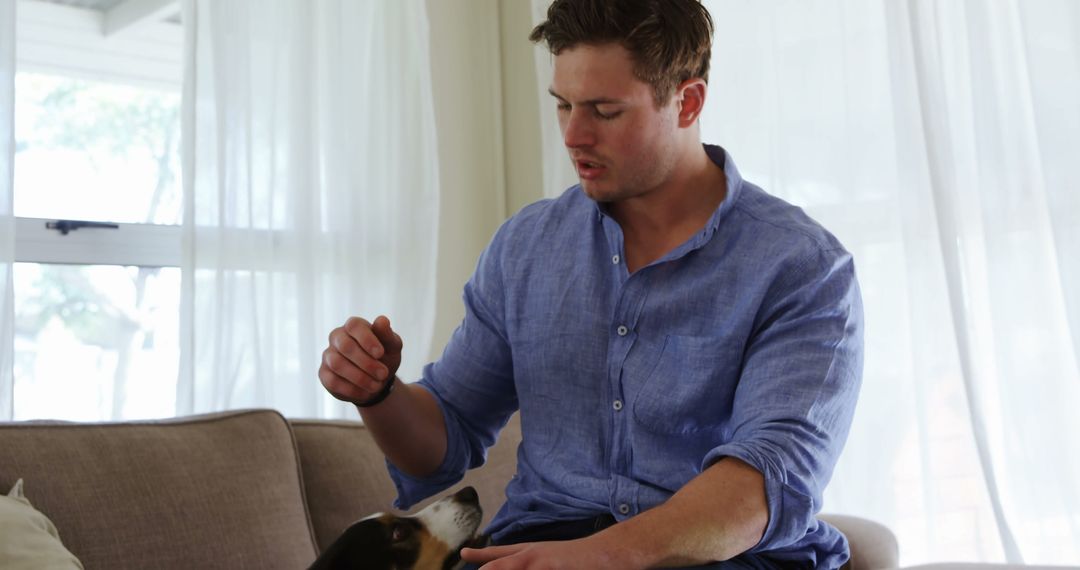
<point>873,545</point>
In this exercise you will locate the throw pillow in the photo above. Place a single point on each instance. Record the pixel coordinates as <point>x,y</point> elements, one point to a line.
<point>28,539</point>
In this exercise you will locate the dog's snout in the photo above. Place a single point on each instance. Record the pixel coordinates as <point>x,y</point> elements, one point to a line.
<point>467,495</point>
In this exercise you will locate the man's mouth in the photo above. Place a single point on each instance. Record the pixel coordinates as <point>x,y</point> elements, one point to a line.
<point>589,170</point>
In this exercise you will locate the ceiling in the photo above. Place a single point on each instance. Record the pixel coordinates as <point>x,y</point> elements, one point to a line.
<point>124,14</point>
<point>100,5</point>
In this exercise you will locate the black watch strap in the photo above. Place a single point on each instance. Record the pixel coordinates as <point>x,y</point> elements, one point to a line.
<point>377,398</point>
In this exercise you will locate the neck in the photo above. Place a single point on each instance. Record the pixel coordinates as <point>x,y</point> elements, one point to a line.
<point>661,220</point>
<point>681,206</point>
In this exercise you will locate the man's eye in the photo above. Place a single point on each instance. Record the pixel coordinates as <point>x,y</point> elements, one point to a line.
<point>608,116</point>
<point>563,107</point>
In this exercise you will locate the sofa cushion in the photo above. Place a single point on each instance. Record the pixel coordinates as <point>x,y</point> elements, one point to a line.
<point>345,475</point>
<point>28,539</point>
<point>212,491</point>
<point>873,545</point>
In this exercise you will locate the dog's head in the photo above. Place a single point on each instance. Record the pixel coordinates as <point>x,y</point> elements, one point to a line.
<point>430,539</point>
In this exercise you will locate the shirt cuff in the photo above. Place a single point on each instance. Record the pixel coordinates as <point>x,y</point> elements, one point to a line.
<point>790,511</point>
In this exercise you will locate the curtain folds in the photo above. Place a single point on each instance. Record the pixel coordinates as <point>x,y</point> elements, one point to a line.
<point>311,193</point>
<point>7,215</point>
<point>936,139</point>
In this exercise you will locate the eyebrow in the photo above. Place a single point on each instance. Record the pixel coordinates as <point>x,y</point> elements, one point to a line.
<point>597,101</point>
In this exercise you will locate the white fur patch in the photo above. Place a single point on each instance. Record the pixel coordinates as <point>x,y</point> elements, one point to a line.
<point>449,521</point>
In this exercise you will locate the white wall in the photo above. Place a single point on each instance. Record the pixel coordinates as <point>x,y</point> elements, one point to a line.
<point>485,111</point>
<point>521,118</point>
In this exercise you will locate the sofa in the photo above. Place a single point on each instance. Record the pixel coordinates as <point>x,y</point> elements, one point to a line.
<point>238,489</point>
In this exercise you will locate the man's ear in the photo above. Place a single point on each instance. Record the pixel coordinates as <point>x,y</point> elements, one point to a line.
<point>690,95</point>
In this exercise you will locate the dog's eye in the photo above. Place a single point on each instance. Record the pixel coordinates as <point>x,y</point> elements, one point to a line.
<point>400,532</point>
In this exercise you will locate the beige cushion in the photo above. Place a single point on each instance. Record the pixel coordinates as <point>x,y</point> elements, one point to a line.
<point>213,491</point>
<point>873,545</point>
<point>28,539</point>
<point>344,475</point>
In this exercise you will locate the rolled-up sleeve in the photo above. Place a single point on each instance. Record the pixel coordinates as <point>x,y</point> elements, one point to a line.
<point>797,391</point>
<point>472,382</point>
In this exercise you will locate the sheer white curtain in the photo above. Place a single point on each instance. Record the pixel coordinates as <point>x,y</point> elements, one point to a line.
<point>311,193</point>
<point>7,216</point>
<point>938,140</point>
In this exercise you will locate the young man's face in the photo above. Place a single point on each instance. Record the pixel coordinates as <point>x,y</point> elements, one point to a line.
<point>621,144</point>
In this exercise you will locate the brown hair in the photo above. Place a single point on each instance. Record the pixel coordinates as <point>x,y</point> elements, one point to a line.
<point>670,41</point>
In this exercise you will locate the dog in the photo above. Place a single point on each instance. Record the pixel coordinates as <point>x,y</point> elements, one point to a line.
<point>429,540</point>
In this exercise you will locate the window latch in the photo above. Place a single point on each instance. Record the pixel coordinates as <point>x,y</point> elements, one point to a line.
<point>65,226</point>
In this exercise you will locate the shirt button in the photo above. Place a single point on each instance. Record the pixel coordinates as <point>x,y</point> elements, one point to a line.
<point>615,259</point>
<point>617,404</point>
<point>622,330</point>
<point>624,509</point>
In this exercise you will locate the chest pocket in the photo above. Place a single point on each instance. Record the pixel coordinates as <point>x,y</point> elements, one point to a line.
<point>692,386</point>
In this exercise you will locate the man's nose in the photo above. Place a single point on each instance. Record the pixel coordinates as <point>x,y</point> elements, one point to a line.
<point>578,130</point>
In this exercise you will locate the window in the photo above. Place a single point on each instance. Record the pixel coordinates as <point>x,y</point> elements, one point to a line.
<point>97,130</point>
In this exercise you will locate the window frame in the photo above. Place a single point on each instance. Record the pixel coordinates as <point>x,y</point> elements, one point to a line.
<point>73,42</point>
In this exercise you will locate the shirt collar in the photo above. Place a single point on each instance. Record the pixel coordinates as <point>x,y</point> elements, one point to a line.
<point>734,187</point>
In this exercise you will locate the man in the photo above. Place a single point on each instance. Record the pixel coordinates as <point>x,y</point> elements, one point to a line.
<point>684,349</point>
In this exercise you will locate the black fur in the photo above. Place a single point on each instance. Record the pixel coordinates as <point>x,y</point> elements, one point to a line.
<point>372,544</point>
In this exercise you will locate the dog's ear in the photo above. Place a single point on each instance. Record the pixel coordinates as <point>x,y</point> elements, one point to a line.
<point>364,542</point>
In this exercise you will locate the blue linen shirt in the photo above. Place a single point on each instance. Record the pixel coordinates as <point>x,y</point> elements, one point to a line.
<point>745,341</point>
